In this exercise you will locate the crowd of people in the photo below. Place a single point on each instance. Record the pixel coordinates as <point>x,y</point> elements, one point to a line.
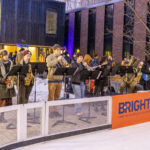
<point>105,67</point>
<point>134,76</point>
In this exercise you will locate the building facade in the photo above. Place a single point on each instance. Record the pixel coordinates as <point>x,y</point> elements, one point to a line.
<point>108,28</point>
<point>38,24</point>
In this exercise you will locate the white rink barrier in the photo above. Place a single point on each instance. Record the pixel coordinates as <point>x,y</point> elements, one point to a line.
<point>32,121</point>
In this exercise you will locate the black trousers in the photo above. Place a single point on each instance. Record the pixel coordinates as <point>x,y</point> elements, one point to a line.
<point>24,93</point>
<point>100,86</point>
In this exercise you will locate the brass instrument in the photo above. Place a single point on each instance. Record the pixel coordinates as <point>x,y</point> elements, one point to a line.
<point>132,61</point>
<point>63,63</point>
<point>129,77</point>
<point>12,80</point>
<point>29,77</point>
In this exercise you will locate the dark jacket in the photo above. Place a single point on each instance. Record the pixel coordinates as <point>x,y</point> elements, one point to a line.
<point>104,75</point>
<point>146,68</point>
<point>76,77</point>
<point>23,72</point>
<point>4,69</point>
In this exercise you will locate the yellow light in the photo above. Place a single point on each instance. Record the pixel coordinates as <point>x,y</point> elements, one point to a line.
<point>33,51</point>
<point>78,50</point>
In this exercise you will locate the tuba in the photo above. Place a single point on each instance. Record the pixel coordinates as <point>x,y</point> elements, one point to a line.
<point>129,77</point>
<point>132,60</point>
<point>29,77</point>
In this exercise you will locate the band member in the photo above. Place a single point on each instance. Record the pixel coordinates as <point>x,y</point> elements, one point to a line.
<point>1,54</point>
<point>20,56</point>
<point>95,62</point>
<point>123,61</point>
<point>77,83</point>
<point>74,58</point>
<point>55,61</point>
<point>26,80</point>
<point>146,74</point>
<point>101,85</point>
<point>128,79</point>
<point>6,93</point>
<point>87,59</point>
<point>138,77</point>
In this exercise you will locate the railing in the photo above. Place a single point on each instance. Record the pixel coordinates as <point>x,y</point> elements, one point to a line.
<point>34,120</point>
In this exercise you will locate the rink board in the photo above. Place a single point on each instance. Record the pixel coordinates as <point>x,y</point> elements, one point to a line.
<point>130,109</point>
<point>31,123</point>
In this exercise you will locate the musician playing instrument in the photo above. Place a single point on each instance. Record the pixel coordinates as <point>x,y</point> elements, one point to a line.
<point>101,85</point>
<point>78,85</point>
<point>55,61</point>
<point>26,80</point>
<point>145,80</point>
<point>19,56</point>
<point>6,94</point>
<point>128,78</point>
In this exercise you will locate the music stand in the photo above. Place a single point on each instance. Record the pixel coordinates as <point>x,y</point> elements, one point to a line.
<point>65,72</point>
<point>37,68</point>
<point>113,72</point>
<point>124,70</point>
<point>88,75</point>
<point>15,71</point>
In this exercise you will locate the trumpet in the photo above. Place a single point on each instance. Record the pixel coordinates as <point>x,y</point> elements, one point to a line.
<point>62,62</point>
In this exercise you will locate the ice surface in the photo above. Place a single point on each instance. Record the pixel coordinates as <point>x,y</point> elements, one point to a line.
<point>128,138</point>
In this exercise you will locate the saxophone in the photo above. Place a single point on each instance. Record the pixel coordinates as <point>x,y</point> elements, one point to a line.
<point>12,80</point>
<point>29,77</point>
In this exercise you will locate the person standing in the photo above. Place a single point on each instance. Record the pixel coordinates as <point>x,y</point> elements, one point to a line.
<point>6,93</point>
<point>26,80</point>
<point>128,79</point>
<point>78,85</point>
<point>20,56</point>
<point>95,62</point>
<point>146,74</point>
<point>55,61</point>
<point>101,84</point>
<point>14,58</point>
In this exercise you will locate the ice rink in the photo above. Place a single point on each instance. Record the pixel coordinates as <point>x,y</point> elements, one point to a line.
<point>135,137</point>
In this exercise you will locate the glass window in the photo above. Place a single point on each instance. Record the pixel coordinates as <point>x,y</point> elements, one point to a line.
<point>148,24</point>
<point>77,31</point>
<point>108,29</point>
<point>66,30</point>
<point>91,31</point>
<point>128,30</point>
<point>51,22</point>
